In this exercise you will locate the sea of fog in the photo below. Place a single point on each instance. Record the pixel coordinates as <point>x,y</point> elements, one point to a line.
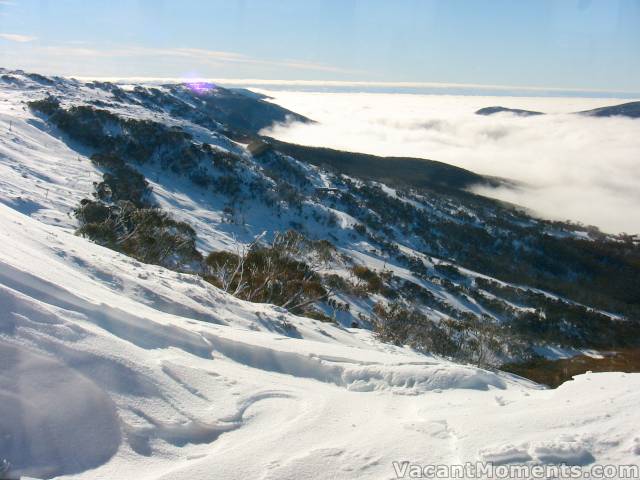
<point>574,167</point>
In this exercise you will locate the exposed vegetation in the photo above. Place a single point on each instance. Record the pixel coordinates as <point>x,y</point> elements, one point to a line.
<point>398,171</point>
<point>284,272</point>
<point>504,243</point>
<point>479,341</point>
<point>147,234</point>
<point>122,218</point>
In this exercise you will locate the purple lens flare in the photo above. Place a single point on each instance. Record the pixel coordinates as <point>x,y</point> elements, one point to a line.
<point>200,87</point>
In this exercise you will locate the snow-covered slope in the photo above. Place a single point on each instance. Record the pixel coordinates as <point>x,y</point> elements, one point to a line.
<point>444,254</point>
<point>114,369</point>
<point>111,368</point>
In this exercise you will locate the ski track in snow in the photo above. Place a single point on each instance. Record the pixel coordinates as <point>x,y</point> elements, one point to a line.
<point>115,369</point>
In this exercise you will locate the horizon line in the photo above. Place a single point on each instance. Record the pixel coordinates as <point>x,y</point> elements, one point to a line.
<point>355,84</point>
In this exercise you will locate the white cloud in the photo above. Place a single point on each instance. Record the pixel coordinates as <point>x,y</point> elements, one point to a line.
<point>17,37</point>
<point>574,167</point>
<point>195,57</point>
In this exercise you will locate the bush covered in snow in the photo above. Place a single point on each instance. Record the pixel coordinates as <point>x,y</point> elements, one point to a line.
<point>479,341</point>
<point>280,272</point>
<point>147,234</point>
<point>122,218</point>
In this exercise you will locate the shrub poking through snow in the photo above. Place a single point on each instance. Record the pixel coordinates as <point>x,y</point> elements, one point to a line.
<point>121,183</point>
<point>284,271</point>
<point>48,105</point>
<point>481,342</point>
<point>398,325</point>
<point>123,218</point>
<point>147,234</point>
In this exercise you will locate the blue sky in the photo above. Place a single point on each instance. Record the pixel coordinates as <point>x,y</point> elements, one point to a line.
<point>571,44</point>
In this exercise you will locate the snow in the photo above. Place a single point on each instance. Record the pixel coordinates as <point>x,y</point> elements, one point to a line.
<point>39,174</point>
<point>116,369</point>
<point>110,368</point>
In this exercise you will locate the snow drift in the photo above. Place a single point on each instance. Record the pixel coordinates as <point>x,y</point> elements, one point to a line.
<point>98,381</point>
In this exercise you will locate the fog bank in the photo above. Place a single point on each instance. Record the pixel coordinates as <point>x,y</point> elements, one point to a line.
<point>575,167</point>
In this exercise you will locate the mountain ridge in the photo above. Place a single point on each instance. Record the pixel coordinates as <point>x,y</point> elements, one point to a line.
<point>429,246</point>
<point>628,109</point>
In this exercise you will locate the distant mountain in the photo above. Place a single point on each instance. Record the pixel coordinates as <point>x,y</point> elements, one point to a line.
<point>498,109</point>
<point>629,109</point>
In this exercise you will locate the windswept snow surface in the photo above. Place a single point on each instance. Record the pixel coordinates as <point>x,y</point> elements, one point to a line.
<point>113,369</point>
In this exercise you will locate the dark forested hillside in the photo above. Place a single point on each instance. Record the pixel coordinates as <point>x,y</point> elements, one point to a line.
<point>399,172</point>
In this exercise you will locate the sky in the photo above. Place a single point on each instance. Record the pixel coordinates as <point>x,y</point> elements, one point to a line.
<point>562,44</point>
